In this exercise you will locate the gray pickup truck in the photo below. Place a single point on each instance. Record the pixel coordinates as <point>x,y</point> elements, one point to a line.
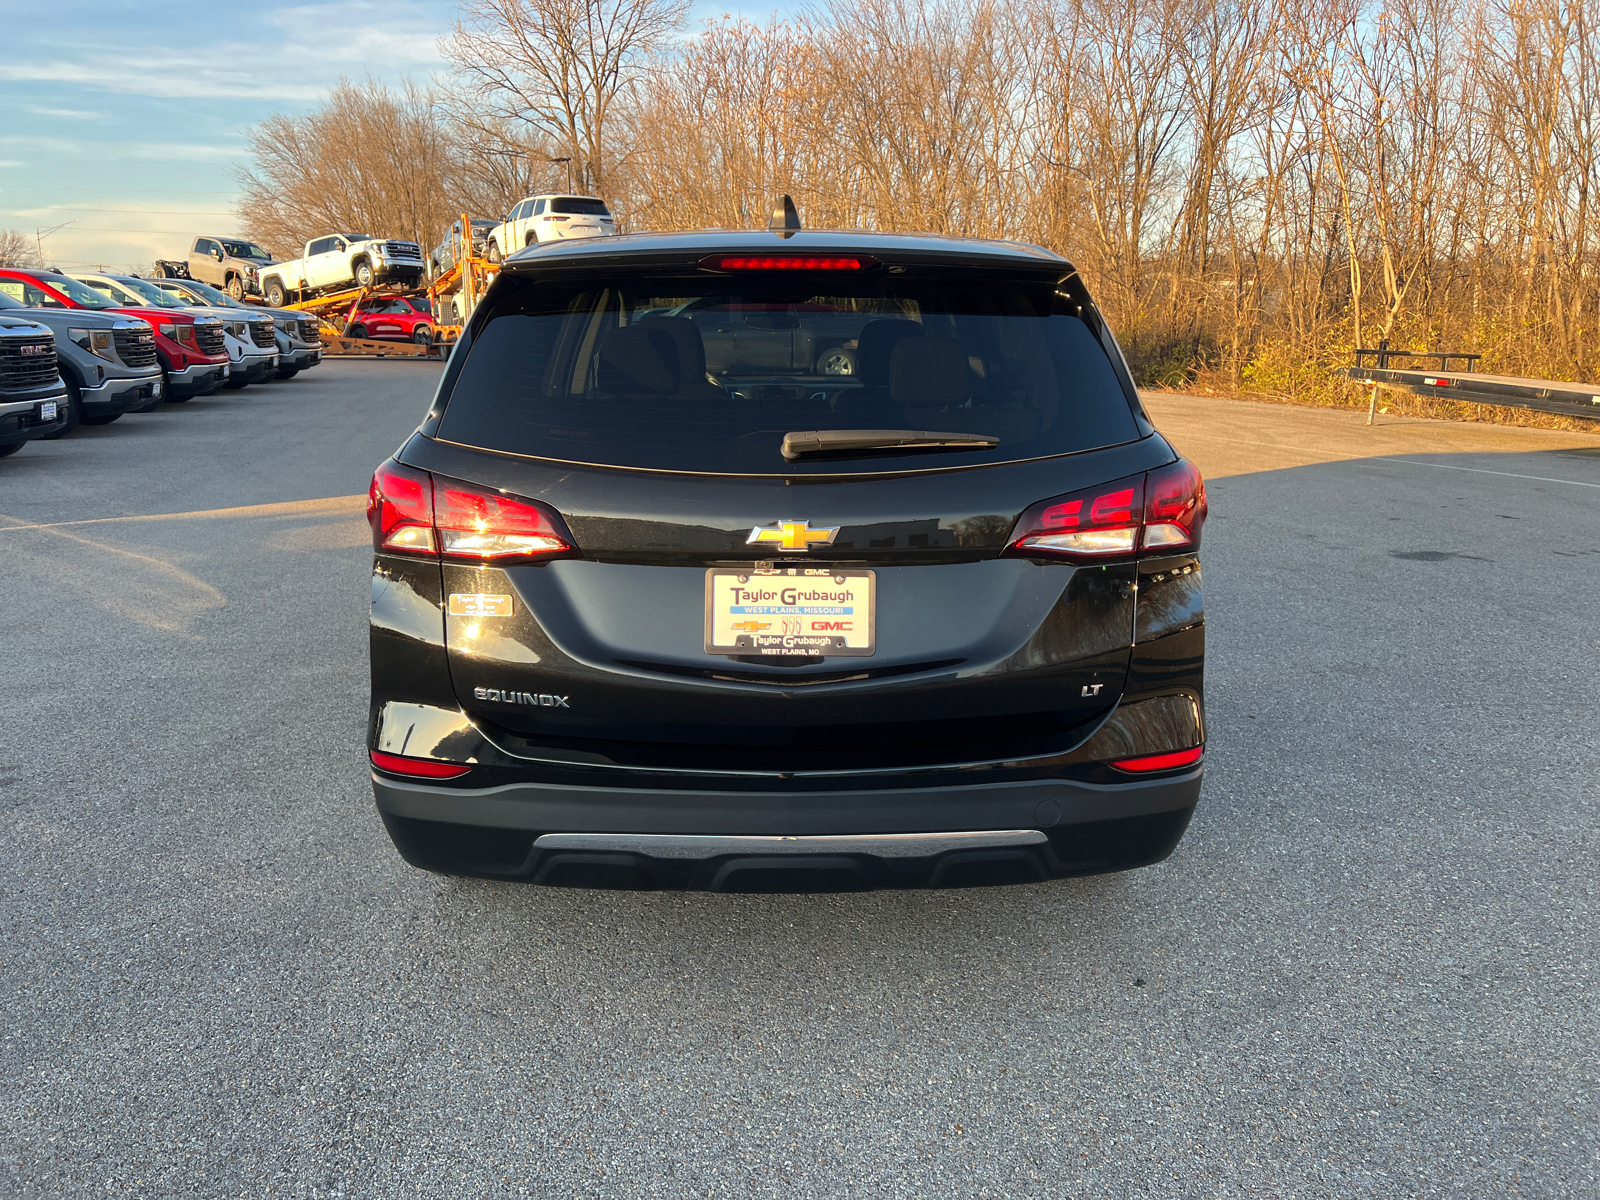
<point>33,400</point>
<point>107,362</point>
<point>232,264</point>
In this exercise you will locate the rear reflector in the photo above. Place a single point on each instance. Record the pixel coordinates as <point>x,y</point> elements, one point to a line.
<point>785,262</point>
<point>418,768</point>
<point>1434,381</point>
<point>1161,762</point>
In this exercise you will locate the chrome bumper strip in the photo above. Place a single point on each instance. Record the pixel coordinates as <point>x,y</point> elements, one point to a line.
<point>879,845</point>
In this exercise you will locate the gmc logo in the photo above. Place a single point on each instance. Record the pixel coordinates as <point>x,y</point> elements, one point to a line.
<point>33,349</point>
<point>835,626</point>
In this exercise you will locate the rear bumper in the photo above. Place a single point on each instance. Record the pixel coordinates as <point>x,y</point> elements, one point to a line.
<point>1018,832</point>
<point>550,808</point>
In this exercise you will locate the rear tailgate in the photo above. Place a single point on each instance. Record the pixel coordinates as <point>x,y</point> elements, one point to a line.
<point>976,656</point>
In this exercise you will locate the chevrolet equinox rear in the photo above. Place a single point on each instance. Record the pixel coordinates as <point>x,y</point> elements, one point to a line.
<point>822,562</point>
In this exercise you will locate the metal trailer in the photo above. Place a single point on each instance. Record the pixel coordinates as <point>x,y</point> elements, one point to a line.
<point>338,309</point>
<point>459,289</point>
<point>1541,395</point>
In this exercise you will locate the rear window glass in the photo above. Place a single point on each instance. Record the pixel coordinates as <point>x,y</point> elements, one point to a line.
<point>577,204</point>
<point>709,373</point>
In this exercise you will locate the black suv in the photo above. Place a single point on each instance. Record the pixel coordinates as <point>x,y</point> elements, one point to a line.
<point>824,561</point>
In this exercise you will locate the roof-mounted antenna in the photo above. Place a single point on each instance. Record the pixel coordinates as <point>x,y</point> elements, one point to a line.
<point>785,219</point>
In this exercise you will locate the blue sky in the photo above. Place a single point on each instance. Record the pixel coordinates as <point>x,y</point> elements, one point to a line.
<point>127,118</point>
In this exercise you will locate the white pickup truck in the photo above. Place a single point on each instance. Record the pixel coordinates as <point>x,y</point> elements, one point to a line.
<point>342,260</point>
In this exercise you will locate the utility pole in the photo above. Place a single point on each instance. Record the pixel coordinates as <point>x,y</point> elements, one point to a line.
<point>39,236</point>
<point>568,161</point>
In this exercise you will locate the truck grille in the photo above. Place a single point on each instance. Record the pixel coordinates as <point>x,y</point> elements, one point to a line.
<point>261,333</point>
<point>209,339</point>
<point>405,249</point>
<point>27,362</point>
<point>310,331</point>
<point>136,347</point>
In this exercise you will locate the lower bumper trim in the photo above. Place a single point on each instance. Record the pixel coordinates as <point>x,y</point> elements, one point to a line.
<point>879,845</point>
<point>554,808</point>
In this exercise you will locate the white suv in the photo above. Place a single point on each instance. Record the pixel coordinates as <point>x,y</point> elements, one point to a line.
<point>549,219</point>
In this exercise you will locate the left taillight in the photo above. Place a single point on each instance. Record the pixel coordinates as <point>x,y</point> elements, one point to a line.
<point>415,512</point>
<point>400,510</point>
<point>1158,512</point>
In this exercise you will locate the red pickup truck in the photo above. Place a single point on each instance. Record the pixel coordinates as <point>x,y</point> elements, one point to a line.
<point>191,350</point>
<point>407,317</point>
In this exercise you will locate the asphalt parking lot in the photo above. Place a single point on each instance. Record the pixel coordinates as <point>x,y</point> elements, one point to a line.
<point>1369,969</point>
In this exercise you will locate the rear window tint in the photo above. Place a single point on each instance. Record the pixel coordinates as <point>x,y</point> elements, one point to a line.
<point>708,373</point>
<point>577,204</point>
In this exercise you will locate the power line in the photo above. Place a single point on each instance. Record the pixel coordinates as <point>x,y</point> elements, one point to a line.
<point>106,229</point>
<point>138,212</point>
<point>50,187</point>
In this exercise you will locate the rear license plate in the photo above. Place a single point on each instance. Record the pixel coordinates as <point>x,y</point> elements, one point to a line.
<point>47,411</point>
<point>791,610</point>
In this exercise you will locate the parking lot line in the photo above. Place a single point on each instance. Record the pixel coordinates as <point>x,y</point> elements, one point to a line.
<point>289,508</point>
<point>1482,471</point>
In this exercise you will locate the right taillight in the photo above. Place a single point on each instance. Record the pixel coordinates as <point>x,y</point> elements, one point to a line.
<point>1175,507</point>
<point>1158,512</point>
<point>414,512</point>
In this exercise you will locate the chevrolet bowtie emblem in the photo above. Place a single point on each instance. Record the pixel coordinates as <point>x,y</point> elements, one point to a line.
<point>791,536</point>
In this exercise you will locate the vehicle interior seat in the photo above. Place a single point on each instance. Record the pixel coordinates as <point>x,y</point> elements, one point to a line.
<point>928,372</point>
<point>659,356</point>
<point>875,349</point>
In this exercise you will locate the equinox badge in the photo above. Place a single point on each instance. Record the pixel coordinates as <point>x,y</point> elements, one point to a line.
<point>792,536</point>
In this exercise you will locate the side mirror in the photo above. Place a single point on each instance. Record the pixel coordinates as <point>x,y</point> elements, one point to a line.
<point>217,254</point>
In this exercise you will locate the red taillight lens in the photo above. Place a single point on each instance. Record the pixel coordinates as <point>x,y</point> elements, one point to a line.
<point>1161,762</point>
<point>1175,507</point>
<point>413,512</point>
<point>1159,512</point>
<point>1087,526</point>
<point>476,523</point>
<point>417,768</point>
<point>400,509</point>
<point>786,262</point>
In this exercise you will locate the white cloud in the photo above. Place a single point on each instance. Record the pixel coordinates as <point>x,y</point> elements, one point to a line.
<point>318,43</point>
<point>107,72</point>
<point>112,150</point>
<point>70,114</point>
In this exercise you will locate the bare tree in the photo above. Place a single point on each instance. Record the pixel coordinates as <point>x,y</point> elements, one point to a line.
<point>562,67</point>
<point>18,249</point>
<point>371,160</point>
<point>1251,187</point>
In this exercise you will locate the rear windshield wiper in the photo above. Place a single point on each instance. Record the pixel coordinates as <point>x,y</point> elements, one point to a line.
<point>840,441</point>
